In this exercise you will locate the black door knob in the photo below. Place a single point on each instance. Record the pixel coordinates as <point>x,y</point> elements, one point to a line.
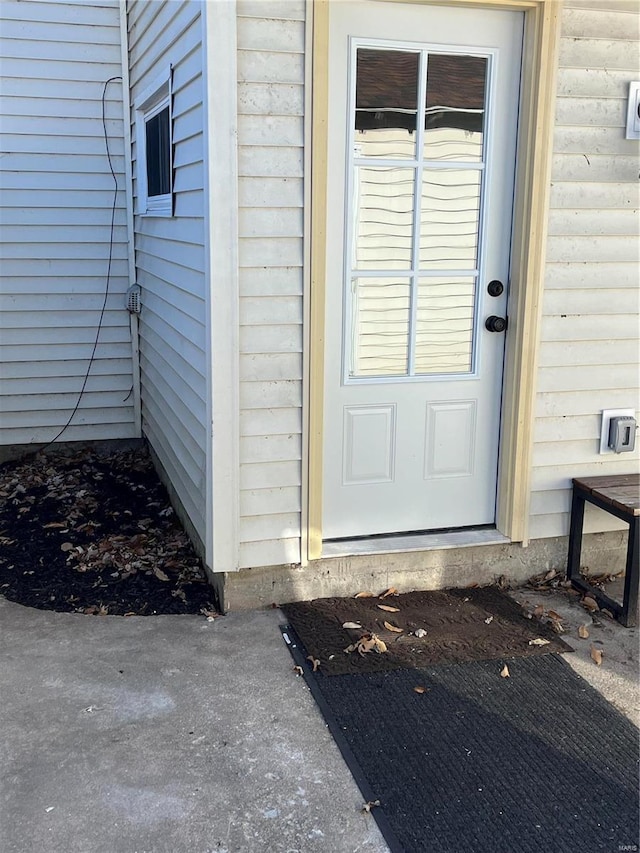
<point>495,324</point>
<point>495,288</point>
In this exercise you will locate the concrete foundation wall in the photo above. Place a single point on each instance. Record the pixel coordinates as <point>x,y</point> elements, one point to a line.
<point>437,569</point>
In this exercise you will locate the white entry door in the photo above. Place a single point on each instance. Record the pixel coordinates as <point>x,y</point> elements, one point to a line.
<point>421,155</point>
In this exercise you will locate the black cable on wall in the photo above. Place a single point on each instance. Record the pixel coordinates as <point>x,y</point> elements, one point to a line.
<point>109,265</point>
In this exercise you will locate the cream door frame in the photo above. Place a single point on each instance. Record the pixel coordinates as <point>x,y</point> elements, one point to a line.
<point>533,177</point>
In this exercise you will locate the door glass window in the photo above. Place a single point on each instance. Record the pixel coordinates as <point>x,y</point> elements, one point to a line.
<point>386,103</point>
<point>454,119</point>
<point>381,325</point>
<point>383,208</point>
<point>444,325</point>
<point>414,213</point>
<point>449,218</point>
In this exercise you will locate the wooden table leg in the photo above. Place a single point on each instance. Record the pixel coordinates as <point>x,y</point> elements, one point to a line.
<point>575,536</point>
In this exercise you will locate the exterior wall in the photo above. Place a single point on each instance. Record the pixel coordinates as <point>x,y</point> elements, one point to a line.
<point>57,196</point>
<point>271,137</point>
<point>589,348</point>
<point>57,208</point>
<point>170,256</point>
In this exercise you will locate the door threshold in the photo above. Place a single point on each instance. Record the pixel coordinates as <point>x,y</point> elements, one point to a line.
<point>395,544</point>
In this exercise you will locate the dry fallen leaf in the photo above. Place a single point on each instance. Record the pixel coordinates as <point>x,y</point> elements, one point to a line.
<point>553,615</point>
<point>366,808</point>
<point>583,632</point>
<point>160,574</point>
<point>419,689</point>
<point>608,613</point>
<point>66,546</point>
<point>54,524</point>
<point>366,644</point>
<point>590,604</point>
<point>550,574</point>
<point>504,672</point>
<point>391,591</point>
<point>314,661</point>
<point>210,614</point>
<point>298,670</point>
<point>539,641</point>
<point>596,655</point>
<point>364,595</point>
<point>388,608</point>
<point>379,645</point>
<point>538,611</point>
<point>394,628</point>
<point>354,626</point>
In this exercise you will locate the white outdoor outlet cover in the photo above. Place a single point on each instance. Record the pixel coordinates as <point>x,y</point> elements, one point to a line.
<point>607,414</point>
<point>633,112</point>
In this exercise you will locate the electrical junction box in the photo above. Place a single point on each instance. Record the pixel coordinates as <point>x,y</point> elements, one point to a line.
<point>605,432</point>
<point>622,434</point>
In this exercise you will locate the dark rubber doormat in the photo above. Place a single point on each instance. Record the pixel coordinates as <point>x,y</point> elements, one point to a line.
<point>460,625</point>
<point>538,761</point>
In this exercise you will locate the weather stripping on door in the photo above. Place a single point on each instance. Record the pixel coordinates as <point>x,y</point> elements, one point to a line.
<point>433,541</point>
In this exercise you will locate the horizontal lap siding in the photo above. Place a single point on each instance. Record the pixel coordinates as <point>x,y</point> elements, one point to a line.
<point>57,195</point>
<point>270,160</point>
<point>589,336</point>
<point>170,256</point>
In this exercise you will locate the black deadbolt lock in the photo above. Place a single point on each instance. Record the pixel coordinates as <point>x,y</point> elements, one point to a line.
<point>495,324</point>
<point>495,288</point>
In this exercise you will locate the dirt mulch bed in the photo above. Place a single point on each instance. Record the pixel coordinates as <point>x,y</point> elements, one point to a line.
<point>92,533</point>
<point>418,629</point>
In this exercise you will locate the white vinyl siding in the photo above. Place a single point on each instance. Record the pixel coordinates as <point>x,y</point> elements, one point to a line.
<point>170,255</point>
<point>270,161</point>
<point>57,194</point>
<point>589,335</point>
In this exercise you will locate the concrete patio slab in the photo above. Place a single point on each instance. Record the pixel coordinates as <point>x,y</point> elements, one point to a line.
<point>617,677</point>
<point>165,734</point>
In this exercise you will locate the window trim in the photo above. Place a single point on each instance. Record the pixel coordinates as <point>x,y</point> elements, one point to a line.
<point>155,98</point>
